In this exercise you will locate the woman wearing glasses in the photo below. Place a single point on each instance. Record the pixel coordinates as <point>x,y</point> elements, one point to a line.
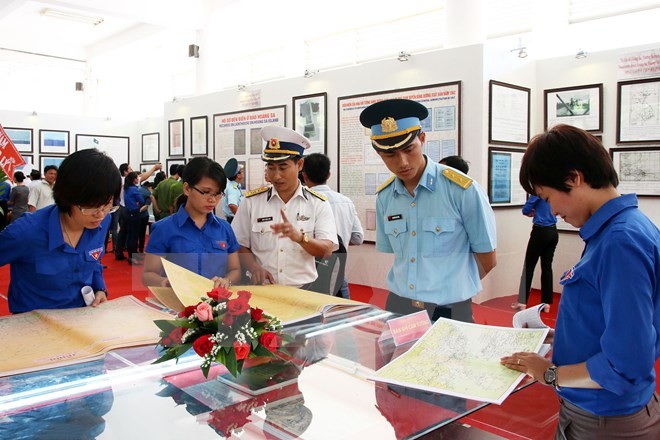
<point>194,237</point>
<point>57,250</point>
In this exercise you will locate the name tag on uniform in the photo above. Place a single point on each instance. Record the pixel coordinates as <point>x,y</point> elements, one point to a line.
<point>264,219</point>
<point>394,217</point>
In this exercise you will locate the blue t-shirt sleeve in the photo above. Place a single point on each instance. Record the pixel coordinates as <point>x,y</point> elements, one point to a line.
<point>157,243</point>
<point>478,220</point>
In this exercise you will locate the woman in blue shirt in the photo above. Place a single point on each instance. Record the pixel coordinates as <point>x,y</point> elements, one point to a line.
<point>607,337</point>
<point>56,251</point>
<point>134,202</point>
<point>194,237</point>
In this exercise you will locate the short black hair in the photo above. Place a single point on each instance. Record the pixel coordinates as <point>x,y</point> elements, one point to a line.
<point>50,167</point>
<point>196,170</point>
<point>123,168</point>
<point>35,174</point>
<point>180,169</point>
<point>160,176</point>
<point>553,157</point>
<point>317,168</point>
<point>130,177</point>
<point>174,168</point>
<point>19,176</point>
<point>87,178</point>
<point>456,162</point>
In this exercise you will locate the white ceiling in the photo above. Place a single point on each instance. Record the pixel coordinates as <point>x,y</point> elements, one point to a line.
<point>24,28</point>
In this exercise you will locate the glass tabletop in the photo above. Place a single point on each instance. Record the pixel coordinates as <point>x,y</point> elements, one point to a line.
<point>326,394</point>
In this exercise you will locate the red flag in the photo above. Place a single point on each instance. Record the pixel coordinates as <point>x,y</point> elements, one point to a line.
<point>10,158</point>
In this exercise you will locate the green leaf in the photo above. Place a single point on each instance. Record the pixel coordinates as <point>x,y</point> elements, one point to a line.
<point>165,357</point>
<point>205,370</point>
<point>260,350</point>
<point>231,363</point>
<point>182,349</point>
<point>166,325</point>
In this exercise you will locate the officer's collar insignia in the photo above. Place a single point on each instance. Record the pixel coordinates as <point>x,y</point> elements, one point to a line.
<point>95,253</point>
<point>388,125</point>
<point>301,217</point>
<point>275,144</point>
<point>430,181</point>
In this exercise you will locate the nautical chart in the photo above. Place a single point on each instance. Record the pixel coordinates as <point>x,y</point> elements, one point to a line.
<point>463,359</point>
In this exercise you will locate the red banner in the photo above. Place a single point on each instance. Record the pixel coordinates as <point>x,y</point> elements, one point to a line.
<point>10,158</point>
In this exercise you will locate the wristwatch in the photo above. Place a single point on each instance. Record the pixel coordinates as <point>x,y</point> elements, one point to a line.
<point>550,376</point>
<point>304,238</point>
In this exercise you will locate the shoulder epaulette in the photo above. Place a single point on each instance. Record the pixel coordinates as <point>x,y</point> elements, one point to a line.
<point>385,184</point>
<point>459,179</point>
<point>254,192</point>
<point>317,195</point>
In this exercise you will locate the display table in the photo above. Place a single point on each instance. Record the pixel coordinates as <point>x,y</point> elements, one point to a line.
<point>125,396</point>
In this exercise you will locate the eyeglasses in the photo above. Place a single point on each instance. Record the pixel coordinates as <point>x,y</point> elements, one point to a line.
<point>96,211</point>
<point>209,193</point>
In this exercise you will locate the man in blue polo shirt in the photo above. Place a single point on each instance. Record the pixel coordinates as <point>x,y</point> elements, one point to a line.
<point>435,220</point>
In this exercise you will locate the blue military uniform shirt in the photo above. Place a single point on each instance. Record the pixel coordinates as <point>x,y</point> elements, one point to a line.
<point>233,196</point>
<point>203,251</point>
<point>47,273</point>
<point>433,236</point>
<point>542,211</point>
<point>609,314</point>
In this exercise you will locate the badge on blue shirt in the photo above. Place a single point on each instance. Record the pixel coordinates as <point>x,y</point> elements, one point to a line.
<point>95,253</point>
<point>394,217</point>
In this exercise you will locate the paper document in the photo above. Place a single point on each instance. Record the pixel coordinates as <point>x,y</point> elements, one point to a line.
<point>530,316</point>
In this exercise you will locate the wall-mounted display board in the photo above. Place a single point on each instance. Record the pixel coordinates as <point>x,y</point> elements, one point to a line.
<point>579,106</point>
<point>638,169</point>
<point>360,168</point>
<point>151,147</point>
<point>238,134</point>
<point>310,119</point>
<point>508,114</point>
<point>638,111</point>
<point>21,138</point>
<point>117,147</point>
<point>176,131</point>
<point>504,188</point>
<point>49,160</point>
<point>199,129</point>
<point>170,162</point>
<point>27,167</point>
<point>53,142</point>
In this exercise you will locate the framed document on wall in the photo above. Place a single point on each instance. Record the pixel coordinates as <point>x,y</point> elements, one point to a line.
<point>53,142</point>
<point>199,136</point>
<point>310,120</point>
<point>638,169</point>
<point>21,138</point>
<point>151,147</point>
<point>504,189</point>
<point>579,106</point>
<point>638,111</point>
<point>117,147</point>
<point>508,114</point>
<point>175,134</point>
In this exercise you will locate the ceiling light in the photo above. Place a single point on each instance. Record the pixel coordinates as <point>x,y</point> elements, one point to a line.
<point>72,16</point>
<point>581,54</point>
<point>310,73</point>
<point>403,56</point>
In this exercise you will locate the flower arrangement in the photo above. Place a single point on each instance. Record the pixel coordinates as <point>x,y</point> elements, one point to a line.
<point>221,329</point>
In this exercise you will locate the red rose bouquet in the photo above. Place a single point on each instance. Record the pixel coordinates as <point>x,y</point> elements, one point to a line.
<point>221,329</point>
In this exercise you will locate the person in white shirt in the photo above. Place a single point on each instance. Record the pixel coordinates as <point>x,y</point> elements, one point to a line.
<point>41,194</point>
<point>282,228</point>
<point>316,172</point>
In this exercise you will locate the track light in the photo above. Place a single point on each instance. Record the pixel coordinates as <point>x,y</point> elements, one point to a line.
<point>71,16</point>
<point>403,56</point>
<point>310,73</point>
<point>241,87</point>
<point>581,54</point>
<point>522,51</point>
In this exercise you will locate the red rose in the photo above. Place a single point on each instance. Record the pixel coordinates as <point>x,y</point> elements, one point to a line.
<point>189,310</point>
<point>219,293</point>
<point>203,345</point>
<point>257,313</point>
<point>244,295</point>
<point>173,338</point>
<point>228,320</point>
<point>237,306</point>
<point>242,350</point>
<point>270,340</point>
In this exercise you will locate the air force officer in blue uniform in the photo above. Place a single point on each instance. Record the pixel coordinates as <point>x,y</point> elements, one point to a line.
<point>436,220</point>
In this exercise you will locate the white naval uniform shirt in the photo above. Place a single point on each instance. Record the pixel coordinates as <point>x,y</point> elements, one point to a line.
<point>286,260</point>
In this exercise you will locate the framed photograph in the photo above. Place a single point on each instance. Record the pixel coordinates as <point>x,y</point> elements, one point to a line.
<point>508,114</point>
<point>504,189</point>
<point>176,134</point>
<point>310,120</point>
<point>638,169</point>
<point>151,147</point>
<point>117,147</point>
<point>199,145</point>
<point>579,106</point>
<point>360,168</point>
<point>44,161</point>
<point>27,167</point>
<point>21,138</point>
<point>53,142</point>
<point>638,111</point>
<point>169,162</point>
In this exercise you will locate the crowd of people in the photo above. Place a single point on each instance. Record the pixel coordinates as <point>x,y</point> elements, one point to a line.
<point>434,219</point>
